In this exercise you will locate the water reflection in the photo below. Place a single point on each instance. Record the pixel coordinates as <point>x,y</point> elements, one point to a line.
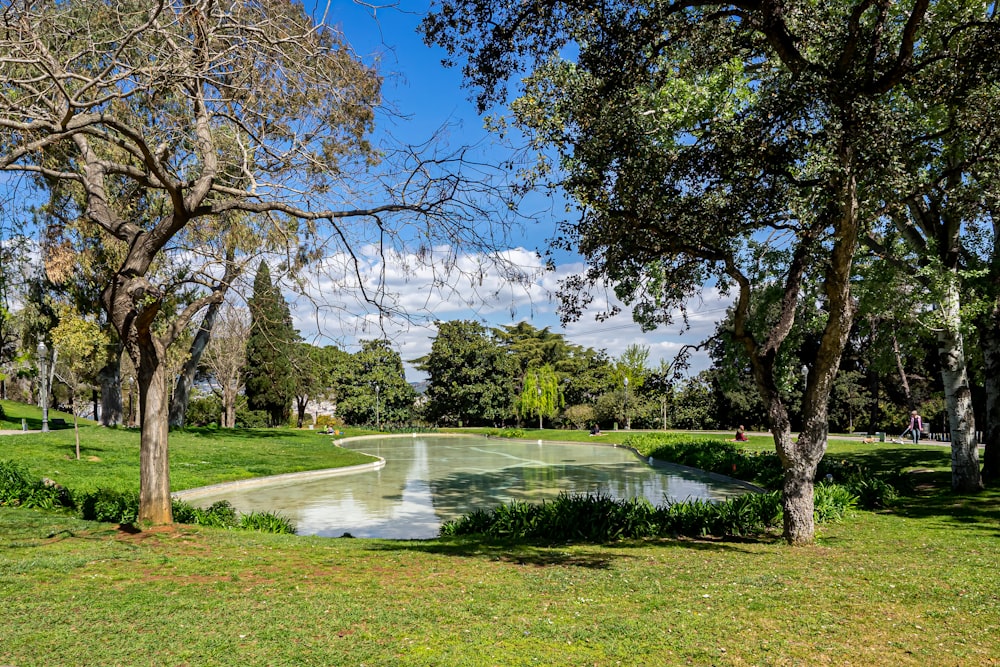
<point>429,480</point>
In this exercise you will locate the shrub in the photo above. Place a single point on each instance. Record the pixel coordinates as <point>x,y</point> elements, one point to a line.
<point>505,433</point>
<point>221,514</point>
<point>266,522</point>
<point>17,488</point>
<point>600,518</point>
<point>110,506</point>
<point>203,411</point>
<point>832,502</point>
<point>322,421</point>
<point>579,416</point>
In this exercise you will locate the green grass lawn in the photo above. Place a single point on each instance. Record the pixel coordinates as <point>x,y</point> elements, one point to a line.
<point>916,586</point>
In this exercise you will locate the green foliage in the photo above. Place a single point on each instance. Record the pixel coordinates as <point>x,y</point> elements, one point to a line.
<point>266,522</point>
<point>832,502</point>
<point>601,518</point>
<point>579,416</point>
<point>17,488</point>
<point>870,490</point>
<point>372,386</point>
<point>110,506</point>
<point>541,394</point>
<point>322,421</point>
<point>471,378</point>
<point>203,410</point>
<point>505,433</point>
<point>269,376</point>
<point>220,514</point>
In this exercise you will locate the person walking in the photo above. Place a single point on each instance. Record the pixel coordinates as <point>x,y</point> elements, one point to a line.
<point>916,426</point>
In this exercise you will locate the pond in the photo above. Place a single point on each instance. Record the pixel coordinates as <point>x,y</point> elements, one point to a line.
<point>428,480</point>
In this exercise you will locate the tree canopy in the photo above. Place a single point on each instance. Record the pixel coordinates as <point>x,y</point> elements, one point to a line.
<point>744,144</point>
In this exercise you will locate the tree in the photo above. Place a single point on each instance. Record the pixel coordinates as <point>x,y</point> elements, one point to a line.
<point>78,343</point>
<point>630,374</point>
<point>541,394</point>
<point>225,358</point>
<point>205,110</point>
<point>743,143</point>
<point>471,378</point>
<point>269,375</point>
<point>377,392</point>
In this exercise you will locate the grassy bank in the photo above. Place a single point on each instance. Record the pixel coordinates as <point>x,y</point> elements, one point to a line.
<point>915,586</point>
<point>109,458</point>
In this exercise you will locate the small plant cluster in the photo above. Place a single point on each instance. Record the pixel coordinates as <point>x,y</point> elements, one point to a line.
<point>600,518</point>
<point>408,428</point>
<point>505,433</point>
<point>761,468</point>
<point>17,488</point>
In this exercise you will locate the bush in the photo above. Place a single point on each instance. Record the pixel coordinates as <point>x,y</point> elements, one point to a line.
<point>832,502</point>
<point>110,506</point>
<point>505,433</point>
<point>266,522</point>
<point>322,421</point>
<point>579,416</point>
<point>203,411</point>
<point>221,514</point>
<point>18,489</point>
<point>600,518</point>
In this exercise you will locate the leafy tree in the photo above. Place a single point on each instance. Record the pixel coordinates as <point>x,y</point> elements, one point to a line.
<point>471,378</point>
<point>376,391</point>
<point>269,375</point>
<point>741,142</point>
<point>631,373</point>
<point>79,344</point>
<point>128,101</point>
<point>541,394</point>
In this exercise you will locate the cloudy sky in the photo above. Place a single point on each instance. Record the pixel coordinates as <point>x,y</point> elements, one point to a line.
<point>428,96</point>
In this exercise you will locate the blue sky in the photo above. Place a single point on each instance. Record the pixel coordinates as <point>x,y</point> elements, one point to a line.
<point>428,96</point>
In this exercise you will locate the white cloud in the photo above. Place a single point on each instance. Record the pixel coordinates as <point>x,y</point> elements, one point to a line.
<point>415,291</point>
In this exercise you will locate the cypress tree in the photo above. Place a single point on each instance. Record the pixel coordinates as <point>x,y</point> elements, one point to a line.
<point>270,381</point>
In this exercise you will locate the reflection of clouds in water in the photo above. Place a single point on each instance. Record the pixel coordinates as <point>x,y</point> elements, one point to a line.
<point>430,480</point>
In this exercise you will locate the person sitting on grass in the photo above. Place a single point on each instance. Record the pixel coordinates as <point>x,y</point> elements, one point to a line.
<point>595,429</point>
<point>741,435</point>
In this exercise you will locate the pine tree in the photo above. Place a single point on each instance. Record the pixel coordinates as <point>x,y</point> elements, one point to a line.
<point>270,381</point>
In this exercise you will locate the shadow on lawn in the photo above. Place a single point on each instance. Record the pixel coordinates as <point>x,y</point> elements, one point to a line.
<point>241,433</point>
<point>543,555</point>
<point>890,459</point>
<point>934,502</point>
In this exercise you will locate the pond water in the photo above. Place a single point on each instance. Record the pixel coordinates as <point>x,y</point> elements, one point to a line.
<point>428,480</point>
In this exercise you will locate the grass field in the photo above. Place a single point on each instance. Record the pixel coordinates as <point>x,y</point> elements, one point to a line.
<point>916,586</point>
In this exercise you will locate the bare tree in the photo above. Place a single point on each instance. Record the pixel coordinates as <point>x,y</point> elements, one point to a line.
<point>225,355</point>
<point>195,113</point>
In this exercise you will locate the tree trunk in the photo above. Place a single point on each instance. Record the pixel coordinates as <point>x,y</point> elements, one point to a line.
<point>300,409</point>
<point>903,381</point>
<point>111,388</point>
<point>76,425</point>
<point>154,460</point>
<point>182,391</point>
<point>965,476</point>
<point>229,410</point>
<point>990,337</point>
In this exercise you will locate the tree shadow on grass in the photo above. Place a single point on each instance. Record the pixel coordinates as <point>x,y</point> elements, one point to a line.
<point>935,502</point>
<point>891,459</point>
<point>238,433</point>
<point>541,554</point>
